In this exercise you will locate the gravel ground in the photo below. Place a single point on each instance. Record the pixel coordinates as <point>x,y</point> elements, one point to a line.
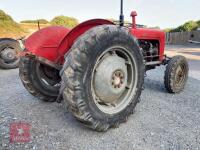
<point>161,121</point>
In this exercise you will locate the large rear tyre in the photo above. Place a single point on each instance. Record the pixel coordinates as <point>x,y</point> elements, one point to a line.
<point>40,80</point>
<point>176,74</point>
<point>103,76</point>
<point>9,50</point>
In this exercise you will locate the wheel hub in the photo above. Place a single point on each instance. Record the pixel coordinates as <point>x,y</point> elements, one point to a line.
<point>114,80</point>
<point>110,78</point>
<point>8,55</point>
<point>118,79</point>
<point>179,78</point>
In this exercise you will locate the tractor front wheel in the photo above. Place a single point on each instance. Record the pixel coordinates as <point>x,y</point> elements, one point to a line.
<point>176,74</point>
<point>40,80</point>
<point>103,77</point>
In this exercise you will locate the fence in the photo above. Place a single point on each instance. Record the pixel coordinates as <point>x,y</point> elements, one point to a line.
<point>182,37</point>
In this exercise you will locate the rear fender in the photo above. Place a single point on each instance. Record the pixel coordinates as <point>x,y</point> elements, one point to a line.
<point>45,42</point>
<point>52,43</point>
<point>73,35</point>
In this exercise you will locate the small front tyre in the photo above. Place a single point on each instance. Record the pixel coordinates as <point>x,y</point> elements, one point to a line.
<point>176,74</point>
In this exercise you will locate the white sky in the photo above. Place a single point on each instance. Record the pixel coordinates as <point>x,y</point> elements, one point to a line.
<point>163,13</point>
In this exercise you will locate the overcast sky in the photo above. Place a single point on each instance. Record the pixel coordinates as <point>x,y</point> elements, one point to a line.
<point>163,13</point>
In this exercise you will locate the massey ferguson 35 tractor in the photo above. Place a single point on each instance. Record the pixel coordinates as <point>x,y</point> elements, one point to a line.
<point>97,68</point>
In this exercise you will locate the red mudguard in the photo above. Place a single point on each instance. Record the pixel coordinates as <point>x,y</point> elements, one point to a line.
<point>52,43</point>
<point>45,42</point>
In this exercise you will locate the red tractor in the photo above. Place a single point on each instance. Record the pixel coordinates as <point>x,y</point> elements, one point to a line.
<point>98,68</point>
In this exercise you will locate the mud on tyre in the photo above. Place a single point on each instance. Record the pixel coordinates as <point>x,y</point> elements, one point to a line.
<point>40,80</point>
<point>103,76</point>
<point>176,74</point>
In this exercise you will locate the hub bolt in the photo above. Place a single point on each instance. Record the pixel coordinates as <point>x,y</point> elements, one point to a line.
<point>117,79</point>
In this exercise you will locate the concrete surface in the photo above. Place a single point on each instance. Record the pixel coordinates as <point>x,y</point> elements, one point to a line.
<point>161,121</point>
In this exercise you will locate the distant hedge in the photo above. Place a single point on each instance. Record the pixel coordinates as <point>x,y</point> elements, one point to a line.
<point>42,21</point>
<point>5,17</point>
<point>188,26</point>
<point>198,22</point>
<point>8,26</point>
<point>65,21</point>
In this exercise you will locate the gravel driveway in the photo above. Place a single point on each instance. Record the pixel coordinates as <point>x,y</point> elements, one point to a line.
<point>161,121</point>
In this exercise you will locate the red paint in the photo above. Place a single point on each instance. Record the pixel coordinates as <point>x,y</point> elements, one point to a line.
<point>52,43</point>
<point>151,34</point>
<point>73,35</point>
<point>148,34</point>
<point>45,42</point>
<point>133,15</point>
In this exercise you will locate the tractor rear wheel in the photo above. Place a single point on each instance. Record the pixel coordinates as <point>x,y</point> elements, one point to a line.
<point>9,50</point>
<point>176,74</point>
<point>103,76</point>
<point>40,80</point>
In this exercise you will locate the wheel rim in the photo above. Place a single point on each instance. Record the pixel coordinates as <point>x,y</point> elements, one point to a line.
<point>9,55</point>
<point>114,80</point>
<point>48,76</point>
<point>180,75</point>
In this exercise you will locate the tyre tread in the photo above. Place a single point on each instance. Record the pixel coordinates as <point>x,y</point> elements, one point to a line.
<point>71,74</point>
<point>25,73</point>
<point>169,73</point>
